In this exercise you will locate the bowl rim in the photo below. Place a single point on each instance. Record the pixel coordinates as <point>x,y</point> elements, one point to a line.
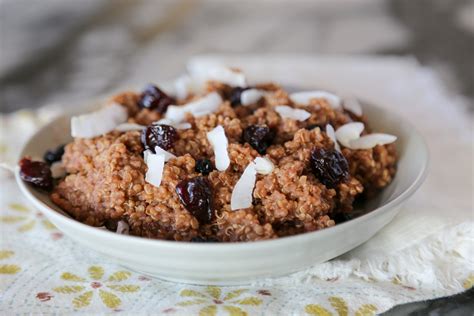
<point>222,247</point>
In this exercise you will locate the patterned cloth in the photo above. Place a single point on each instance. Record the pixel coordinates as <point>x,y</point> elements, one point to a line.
<point>42,271</point>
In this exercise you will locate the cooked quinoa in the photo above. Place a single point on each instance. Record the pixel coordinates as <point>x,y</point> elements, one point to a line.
<point>105,181</point>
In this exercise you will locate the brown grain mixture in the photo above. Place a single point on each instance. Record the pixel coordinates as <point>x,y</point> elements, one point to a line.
<point>106,174</point>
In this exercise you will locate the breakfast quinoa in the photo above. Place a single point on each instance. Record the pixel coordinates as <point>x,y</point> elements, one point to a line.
<point>226,162</point>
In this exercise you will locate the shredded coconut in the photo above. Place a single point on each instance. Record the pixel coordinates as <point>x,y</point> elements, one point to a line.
<point>352,104</point>
<point>286,111</point>
<point>156,164</point>
<point>243,190</point>
<point>122,228</point>
<point>332,135</point>
<point>57,169</point>
<point>348,132</point>
<point>186,85</point>
<point>220,73</point>
<point>251,96</point>
<point>219,143</point>
<point>167,154</point>
<point>371,140</point>
<point>201,107</point>
<point>99,122</point>
<point>305,96</point>
<point>165,121</point>
<point>263,165</point>
<point>125,127</point>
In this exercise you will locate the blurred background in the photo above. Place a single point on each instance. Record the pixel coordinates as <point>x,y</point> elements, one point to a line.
<point>57,51</point>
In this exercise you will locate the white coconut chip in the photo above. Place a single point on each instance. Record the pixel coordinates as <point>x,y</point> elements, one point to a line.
<point>169,122</point>
<point>332,135</point>
<point>58,170</point>
<point>186,85</point>
<point>286,111</point>
<point>263,165</point>
<point>123,228</point>
<point>156,164</point>
<point>125,127</point>
<point>371,140</point>
<point>352,104</point>
<point>348,132</point>
<point>220,73</point>
<point>219,143</point>
<point>203,106</point>
<point>99,122</point>
<point>305,96</point>
<point>251,96</point>
<point>243,190</point>
<point>167,154</point>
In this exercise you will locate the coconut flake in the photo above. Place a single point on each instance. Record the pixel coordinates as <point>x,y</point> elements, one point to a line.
<point>371,140</point>
<point>57,169</point>
<point>348,132</point>
<point>251,96</point>
<point>122,228</point>
<point>167,154</point>
<point>203,106</point>
<point>286,111</point>
<point>99,122</point>
<point>156,164</point>
<point>165,121</point>
<point>219,144</point>
<point>263,165</point>
<point>305,96</point>
<point>332,135</point>
<point>125,127</point>
<point>219,73</point>
<point>186,85</point>
<point>243,190</point>
<point>351,103</point>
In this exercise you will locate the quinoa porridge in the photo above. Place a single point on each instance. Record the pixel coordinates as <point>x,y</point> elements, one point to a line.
<point>216,161</point>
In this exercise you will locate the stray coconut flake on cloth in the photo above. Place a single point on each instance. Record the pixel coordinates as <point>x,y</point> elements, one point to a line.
<point>332,135</point>
<point>348,132</point>
<point>99,122</point>
<point>286,111</point>
<point>251,96</point>
<point>305,96</point>
<point>219,143</point>
<point>198,108</point>
<point>156,164</point>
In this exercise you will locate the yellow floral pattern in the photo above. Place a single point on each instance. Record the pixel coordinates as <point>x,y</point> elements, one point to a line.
<point>341,308</point>
<point>8,268</point>
<point>86,287</point>
<point>214,299</point>
<point>24,218</point>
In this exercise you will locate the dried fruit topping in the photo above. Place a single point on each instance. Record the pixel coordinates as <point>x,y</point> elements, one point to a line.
<point>260,137</point>
<point>154,99</point>
<point>342,217</point>
<point>235,94</point>
<point>203,239</point>
<point>37,173</point>
<point>204,166</point>
<point>158,135</point>
<point>111,224</point>
<point>54,155</point>
<point>196,196</point>
<point>329,166</point>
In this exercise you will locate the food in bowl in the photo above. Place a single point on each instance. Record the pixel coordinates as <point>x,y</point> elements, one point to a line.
<point>217,161</point>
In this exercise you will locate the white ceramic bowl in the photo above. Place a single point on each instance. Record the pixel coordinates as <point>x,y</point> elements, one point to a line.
<point>239,263</point>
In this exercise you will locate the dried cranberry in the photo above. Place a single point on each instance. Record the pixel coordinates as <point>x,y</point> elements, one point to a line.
<point>329,166</point>
<point>37,173</point>
<point>235,94</point>
<point>54,155</point>
<point>260,137</point>
<point>204,166</point>
<point>159,135</point>
<point>196,196</point>
<point>154,99</point>
<point>203,240</point>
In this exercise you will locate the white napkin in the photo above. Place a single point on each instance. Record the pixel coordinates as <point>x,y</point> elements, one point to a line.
<point>426,252</point>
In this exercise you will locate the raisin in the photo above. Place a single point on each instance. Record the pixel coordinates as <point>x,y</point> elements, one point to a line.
<point>111,224</point>
<point>196,196</point>
<point>203,240</point>
<point>342,217</point>
<point>54,155</point>
<point>37,173</point>
<point>159,135</point>
<point>154,99</point>
<point>204,166</point>
<point>329,166</point>
<point>260,137</point>
<point>235,94</point>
